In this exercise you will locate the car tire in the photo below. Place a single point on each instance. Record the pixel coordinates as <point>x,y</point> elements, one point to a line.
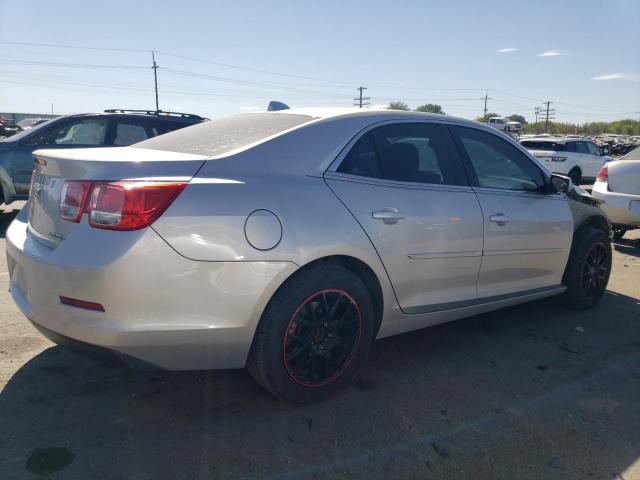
<point>576,176</point>
<point>588,269</point>
<point>314,333</point>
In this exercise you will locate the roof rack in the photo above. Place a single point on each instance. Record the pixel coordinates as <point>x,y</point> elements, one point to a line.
<point>155,112</point>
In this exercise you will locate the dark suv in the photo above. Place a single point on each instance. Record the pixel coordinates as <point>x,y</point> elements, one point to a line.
<point>110,128</point>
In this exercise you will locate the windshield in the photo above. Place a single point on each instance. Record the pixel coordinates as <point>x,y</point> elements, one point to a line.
<point>226,134</point>
<point>632,155</point>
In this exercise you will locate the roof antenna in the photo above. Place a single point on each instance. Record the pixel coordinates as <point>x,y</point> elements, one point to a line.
<point>274,106</point>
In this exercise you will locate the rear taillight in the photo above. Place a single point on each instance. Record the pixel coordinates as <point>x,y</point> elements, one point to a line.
<point>73,199</point>
<point>603,174</point>
<point>125,205</point>
<point>130,205</point>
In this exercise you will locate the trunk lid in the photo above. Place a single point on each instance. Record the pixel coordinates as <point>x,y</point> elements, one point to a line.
<point>624,177</point>
<point>54,167</point>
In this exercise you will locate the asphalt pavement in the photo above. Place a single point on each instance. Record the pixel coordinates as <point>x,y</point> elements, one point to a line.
<point>530,392</point>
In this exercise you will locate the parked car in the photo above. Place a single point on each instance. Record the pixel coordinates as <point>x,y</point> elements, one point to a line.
<point>618,185</point>
<point>287,241</point>
<point>110,128</point>
<point>504,124</point>
<point>8,129</point>
<point>28,123</point>
<point>579,158</point>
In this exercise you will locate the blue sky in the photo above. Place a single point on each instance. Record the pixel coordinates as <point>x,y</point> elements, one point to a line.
<point>415,51</point>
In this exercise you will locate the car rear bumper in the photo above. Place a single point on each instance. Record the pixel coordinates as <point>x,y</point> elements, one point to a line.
<point>159,307</point>
<point>621,208</point>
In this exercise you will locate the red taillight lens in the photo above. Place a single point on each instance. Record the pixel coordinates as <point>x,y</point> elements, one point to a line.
<point>603,174</point>
<point>130,205</point>
<point>74,195</point>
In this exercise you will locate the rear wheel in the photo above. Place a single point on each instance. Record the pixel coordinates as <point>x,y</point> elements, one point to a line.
<point>315,332</point>
<point>576,176</point>
<point>588,268</point>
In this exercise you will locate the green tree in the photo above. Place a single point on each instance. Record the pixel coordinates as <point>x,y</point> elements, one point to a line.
<point>398,106</point>
<point>485,118</point>
<point>517,118</point>
<point>430,108</point>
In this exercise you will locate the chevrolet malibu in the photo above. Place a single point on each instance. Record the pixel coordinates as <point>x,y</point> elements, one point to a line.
<point>286,242</point>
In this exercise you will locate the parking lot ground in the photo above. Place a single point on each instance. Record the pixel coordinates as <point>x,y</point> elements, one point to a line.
<point>530,392</point>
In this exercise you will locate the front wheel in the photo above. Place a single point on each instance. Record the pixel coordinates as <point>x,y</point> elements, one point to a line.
<point>315,332</point>
<point>588,269</point>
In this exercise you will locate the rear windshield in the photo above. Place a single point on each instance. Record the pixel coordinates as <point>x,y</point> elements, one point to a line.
<point>548,146</point>
<point>221,136</point>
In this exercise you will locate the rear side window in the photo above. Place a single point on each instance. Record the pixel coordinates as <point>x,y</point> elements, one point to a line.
<point>544,146</point>
<point>128,133</point>
<point>498,164</point>
<point>419,153</point>
<point>217,137</point>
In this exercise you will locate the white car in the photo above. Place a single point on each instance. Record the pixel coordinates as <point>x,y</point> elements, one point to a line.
<point>579,158</point>
<point>504,124</point>
<point>618,184</point>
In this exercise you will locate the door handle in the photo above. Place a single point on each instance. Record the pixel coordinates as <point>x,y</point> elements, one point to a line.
<point>388,215</point>
<point>500,218</point>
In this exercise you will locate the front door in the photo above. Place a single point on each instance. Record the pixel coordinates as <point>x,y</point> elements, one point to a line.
<point>406,186</point>
<point>76,132</point>
<point>527,233</point>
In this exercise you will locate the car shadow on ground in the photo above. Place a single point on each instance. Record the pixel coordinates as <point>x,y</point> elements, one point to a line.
<point>534,391</point>
<point>6,217</point>
<point>628,246</point>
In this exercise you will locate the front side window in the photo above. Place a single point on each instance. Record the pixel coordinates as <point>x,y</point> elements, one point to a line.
<point>593,150</point>
<point>498,164</point>
<point>581,147</point>
<point>83,131</point>
<point>419,153</point>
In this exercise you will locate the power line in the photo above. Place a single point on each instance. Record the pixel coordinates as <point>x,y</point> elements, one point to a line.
<point>155,78</point>
<point>361,101</point>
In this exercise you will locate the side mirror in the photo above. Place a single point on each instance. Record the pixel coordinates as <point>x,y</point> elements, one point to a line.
<point>604,152</point>
<point>560,183</point>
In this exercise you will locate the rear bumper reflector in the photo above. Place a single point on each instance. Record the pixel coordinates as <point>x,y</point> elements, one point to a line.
<point>74,302</point>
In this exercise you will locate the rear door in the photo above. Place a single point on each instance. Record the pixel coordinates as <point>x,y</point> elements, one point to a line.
<point>527,233</point>
<point>405,184</point>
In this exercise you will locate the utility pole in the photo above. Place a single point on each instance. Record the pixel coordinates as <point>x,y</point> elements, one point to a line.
<point>361,101</point>
<point>548,115</point>
<point>155,77</point>
<point>486,97</point>
<point>536,112</point>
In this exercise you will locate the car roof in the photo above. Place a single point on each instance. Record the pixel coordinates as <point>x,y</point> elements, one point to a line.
<point>162,116</point>
<point>373,115</point>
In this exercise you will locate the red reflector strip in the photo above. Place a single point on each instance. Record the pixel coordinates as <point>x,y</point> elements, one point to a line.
<point>74,302</point>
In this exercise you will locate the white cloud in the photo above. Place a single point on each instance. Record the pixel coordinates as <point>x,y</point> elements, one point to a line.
<point>249,108</point>
<point>551,53</point>
<point>507,50</point>
<point>634,77</point>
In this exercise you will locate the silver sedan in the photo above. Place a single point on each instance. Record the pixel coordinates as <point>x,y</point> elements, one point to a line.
<point>286,242</point>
